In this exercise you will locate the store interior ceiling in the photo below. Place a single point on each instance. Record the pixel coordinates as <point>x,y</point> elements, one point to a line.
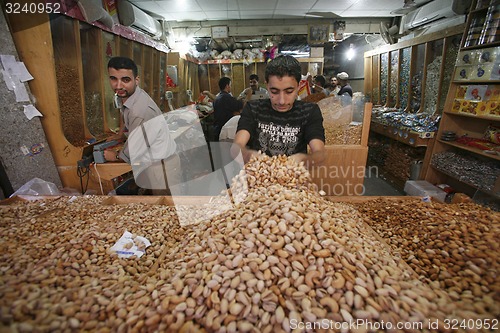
<point>260,23</point>
<point>202,10</point>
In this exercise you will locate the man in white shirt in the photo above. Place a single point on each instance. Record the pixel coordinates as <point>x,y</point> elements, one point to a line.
<point>254,89</point>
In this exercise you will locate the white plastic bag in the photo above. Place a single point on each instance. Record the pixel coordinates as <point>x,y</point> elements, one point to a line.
<point>37,186</point>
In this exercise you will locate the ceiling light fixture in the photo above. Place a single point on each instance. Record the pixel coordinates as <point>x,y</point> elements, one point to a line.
<point>409,4</point>
<point>350,52</point>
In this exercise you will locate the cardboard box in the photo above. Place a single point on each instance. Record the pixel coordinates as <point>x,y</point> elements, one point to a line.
<point>422,188</point>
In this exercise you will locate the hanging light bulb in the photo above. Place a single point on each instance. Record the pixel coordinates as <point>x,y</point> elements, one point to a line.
<point>350,52</point>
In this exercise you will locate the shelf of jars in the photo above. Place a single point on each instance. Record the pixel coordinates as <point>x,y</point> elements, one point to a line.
<point>410,80</point>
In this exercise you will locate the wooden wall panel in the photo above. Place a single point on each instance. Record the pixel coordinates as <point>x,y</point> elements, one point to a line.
<point>203,77</point>
<point>214,76</point>
<point>342,172</point>
<point>239,83</point>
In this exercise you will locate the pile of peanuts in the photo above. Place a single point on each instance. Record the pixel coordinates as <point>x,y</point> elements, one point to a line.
<point>454,245</point>
<point>282,256</point>
<point>343,135</point>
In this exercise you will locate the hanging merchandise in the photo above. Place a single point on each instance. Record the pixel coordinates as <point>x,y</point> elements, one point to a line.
<point>169,82</point>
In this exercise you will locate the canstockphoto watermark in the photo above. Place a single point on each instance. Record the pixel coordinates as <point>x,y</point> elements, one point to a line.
<point>370,326</point>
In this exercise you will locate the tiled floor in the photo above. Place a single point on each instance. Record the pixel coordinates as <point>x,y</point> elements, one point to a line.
<point>376,184</point>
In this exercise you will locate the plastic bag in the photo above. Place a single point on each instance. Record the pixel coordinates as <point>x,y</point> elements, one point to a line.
<point>37,186</point>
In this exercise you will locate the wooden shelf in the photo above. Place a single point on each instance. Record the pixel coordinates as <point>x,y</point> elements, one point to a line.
<point>489,192</point>
<point>468,115</point>
<point>481,46</point>
<point>475,81</point>
<point>464,123</point>
<point>409,138</point>
<point>479,10</point>
<point>235,61</point>
<point>470,149</point>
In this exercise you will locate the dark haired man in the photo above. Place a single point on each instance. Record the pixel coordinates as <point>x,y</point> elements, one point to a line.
<point>345,87</point>
<point>319,83</point>
<point>137,106</point>
<point>154,168</point>
<point>253,89</point>
<point>282,125</point>
<point>225,106</point>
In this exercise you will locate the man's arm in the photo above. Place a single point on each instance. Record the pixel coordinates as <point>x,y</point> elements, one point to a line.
<point>315,157</point>
<point>246,94</point>
<point>209,94</point>
<point>239,144</point>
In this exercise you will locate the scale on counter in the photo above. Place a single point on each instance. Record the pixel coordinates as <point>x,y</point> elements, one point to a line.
<point>98,151</point>
<point>88,154</point>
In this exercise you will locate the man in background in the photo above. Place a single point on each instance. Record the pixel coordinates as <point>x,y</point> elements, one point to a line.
<point>136,111</point>
<point>226,106</point>
<point>318,85</point>
<point>137,106</point>
<point>254,89</point>
<point>345,87</point>
<point>334,86</point>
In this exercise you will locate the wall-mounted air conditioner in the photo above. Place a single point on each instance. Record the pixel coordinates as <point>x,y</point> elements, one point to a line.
<point>433,11</point>
<point>134,17</point>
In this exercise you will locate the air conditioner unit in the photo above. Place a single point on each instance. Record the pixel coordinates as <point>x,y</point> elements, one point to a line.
<point>135,18</point>
<point>433,11</point>
<point>434,27</point>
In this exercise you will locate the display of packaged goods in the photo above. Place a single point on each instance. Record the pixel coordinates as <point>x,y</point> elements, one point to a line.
<point>495,72</point>
<point>461,90</point>
<point>473,107</point>
<point>468,168</point>
<point>467,57</point>
<point>463,72</point>
<point>488,55</point>
<point>476,93</point>
<point>489,33</point>
<point>482,72</point>
<point>492,108</point>
<point>494,92</point>
<point>474,34</point>
<point>457,103</point>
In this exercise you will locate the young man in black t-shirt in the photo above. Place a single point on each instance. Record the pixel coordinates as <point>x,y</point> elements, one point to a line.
<point>282,125</point>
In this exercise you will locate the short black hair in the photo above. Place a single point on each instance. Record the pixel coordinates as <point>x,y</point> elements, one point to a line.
<point>284,65</point>
<point>123,63</point>
<point>223,82</point>
<point>320,79</point>
<point>254,77</point>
